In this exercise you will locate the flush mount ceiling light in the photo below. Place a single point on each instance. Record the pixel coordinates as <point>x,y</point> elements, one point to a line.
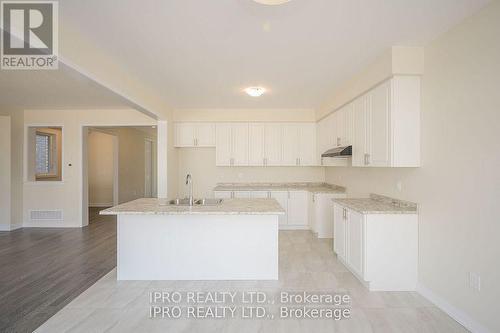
<point>255,91</point>
<point>271,2</point>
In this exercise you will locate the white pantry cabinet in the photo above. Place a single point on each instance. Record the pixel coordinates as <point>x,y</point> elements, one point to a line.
<point>387,125</point>
<point>381,250</point>
<point>232,142</point>
<point>192,134</point>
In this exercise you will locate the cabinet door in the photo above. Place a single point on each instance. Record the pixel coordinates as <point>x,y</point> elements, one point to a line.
<point>291,133</point>
<point>184,135</point>
<point>256,145</point>
<point>379,129</point>
<point>282,198</point>
<point>297,208</point>
<point>205,135</point>
<point>242,194</point>
<point>260,194</point>
<point>331,131</point>
<point>355,241</point>
<point>273,144</point>
<point>344,125</point>
<point>222,194</point>
<point>359,145</point>
<point>223,136</point>
<point>307,145</point>
<point>239,143</point>
<point>339,231</point>
<point>324,215</point>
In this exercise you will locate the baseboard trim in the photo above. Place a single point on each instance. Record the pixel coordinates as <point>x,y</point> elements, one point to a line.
<point>51,224</point>
<point>454,312</point>
<point>10,227</point>
<point>101,205</point>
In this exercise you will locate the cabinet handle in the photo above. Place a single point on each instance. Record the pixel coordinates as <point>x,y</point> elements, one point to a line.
<point>338,141</point>
<point>299,160</point>
<point>269,195</point>
<point>288,194</point>
<point>231,161</point>
<point>367,161</point>
<point>314,197</point>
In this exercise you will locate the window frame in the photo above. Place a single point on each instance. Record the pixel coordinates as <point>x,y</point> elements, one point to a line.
<point>52,156</point>
<point>30,178</point>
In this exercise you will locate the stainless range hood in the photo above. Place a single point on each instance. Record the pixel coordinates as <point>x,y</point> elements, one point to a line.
<point>345,151</point>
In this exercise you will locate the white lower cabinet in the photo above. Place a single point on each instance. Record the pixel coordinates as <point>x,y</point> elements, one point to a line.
<point>298,212</point>
<point>295,204</point>
<point>282,198</point>
<point>381,250</point>
<point>321,213</point>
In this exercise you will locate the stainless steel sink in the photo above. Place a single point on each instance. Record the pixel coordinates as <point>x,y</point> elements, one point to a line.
<point>197,202</point>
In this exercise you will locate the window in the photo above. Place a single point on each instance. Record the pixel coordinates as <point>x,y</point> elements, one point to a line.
<point>44,154</point>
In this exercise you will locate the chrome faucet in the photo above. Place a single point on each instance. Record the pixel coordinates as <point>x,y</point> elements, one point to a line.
<point>189,182</point>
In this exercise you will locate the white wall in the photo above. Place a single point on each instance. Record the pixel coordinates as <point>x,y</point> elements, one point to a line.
<point>244,115</point>
<point>458,185</point>
<point>5,165</point>
<point>100,168</point>
<point>67,195</point>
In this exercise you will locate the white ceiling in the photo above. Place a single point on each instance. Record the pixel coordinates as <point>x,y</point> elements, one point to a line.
<point>54,89</point>
<point>201,54</point>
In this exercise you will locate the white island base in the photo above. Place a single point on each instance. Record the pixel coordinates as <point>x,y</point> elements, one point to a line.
<point>197,247</point>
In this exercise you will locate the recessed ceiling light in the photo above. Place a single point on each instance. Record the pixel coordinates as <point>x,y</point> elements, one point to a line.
<point>271,2</point>
<point>255,91</point>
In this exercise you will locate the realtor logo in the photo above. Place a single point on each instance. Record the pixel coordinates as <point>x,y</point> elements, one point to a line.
<point>29,35</point>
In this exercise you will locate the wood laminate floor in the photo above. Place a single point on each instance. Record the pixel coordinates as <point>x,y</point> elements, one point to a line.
<point>42,270</point>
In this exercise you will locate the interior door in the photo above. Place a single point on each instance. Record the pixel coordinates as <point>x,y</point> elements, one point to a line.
<point>239,139</point>
<point>256,145</point>
<point>223,144</point>
<point>273,144</point>
<point>282,198</point>
<point>379,148</point>
<point>205,135</point>
<point>339,231</point>
<point>355,241</point>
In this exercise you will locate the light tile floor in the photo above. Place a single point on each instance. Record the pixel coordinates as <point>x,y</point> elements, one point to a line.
<point>306,264</point>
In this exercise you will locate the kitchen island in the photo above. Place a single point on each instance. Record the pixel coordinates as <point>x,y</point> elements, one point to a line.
<point>236,239</point>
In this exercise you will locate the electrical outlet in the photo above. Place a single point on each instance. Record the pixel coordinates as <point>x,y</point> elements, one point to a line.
<point>474,281</point>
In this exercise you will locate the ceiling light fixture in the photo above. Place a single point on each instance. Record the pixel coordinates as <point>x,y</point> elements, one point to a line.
<point>255,91</point>
<point>271,2</point>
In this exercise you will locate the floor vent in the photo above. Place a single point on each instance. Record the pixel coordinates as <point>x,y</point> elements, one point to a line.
<point>46,215</point>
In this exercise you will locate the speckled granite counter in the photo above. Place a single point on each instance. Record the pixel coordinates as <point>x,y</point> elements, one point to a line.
<point>378,204</point>
<point>311,187</point>
<point>153,206</point>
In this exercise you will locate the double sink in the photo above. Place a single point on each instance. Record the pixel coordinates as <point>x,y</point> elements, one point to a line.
<point>196,202</point>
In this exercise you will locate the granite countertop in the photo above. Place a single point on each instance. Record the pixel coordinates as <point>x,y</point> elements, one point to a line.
<point>153,206</point>
<point>378,204</point>
<point>311,187</point>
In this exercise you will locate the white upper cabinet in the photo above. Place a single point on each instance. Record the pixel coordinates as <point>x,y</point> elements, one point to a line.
<point>307,145</point>
<point>231,144</point>
<point>256,145</point>
<point>205,135</point>
<point>239,140</point>
<point>387,125</point>
<point>188,134</point>
<point>344,126</point>
<point>273,144</point>
<point>223,145</point>
<point>299,144</point>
